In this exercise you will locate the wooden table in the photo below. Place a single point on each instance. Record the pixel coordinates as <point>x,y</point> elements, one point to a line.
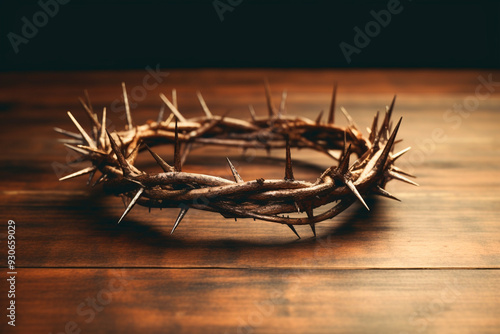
<point>429,264</point>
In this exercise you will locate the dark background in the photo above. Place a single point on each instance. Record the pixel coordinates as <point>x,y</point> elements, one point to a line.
<point>111,34</point>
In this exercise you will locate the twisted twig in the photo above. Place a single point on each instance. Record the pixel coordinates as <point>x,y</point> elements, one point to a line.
<point>114,154</point>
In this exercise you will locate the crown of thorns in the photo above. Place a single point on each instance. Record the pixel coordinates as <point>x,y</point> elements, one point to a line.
<point>113,155</point>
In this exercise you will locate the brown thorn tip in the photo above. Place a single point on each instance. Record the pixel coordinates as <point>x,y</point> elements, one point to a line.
<point>177,150</point>
<point>313,228</point>
<point>84,134</point>
<point>331,114</point>
<point>179,218</point>
<point>127,106</point>
<point>165,166</point>
<point>79,173</point>
<point>236,175</point>
<point>131,204</point>
<point>293,230</point>
<point>288,167</point>
<point>356,192</point>
<point>269,99</point>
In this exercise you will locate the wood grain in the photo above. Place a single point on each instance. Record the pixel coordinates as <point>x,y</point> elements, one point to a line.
<point>366,271</point>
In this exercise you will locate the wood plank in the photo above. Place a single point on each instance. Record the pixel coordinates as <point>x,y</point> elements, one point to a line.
<point>258,301</point>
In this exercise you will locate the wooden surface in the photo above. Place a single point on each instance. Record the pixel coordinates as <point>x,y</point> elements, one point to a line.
<point>429,264</point>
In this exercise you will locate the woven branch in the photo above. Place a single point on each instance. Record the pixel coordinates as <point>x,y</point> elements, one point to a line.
<point>114,155</point>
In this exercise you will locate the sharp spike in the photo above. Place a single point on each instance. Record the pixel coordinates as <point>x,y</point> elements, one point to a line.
<point>283,102</point>
<point>68,133</point>
<point>99,180</point>
<point>160,115</point>
<point>344,162</point>
<point>382,192</point>
<point>174,98</point>
<point>102,137</point>
<point>172,108</point>
<point>236,175</point>
<point>400,171</point>
<point>177,150</point>
<point>165,166</point>
<point>207,111</point>
<point>388,114</point>
<point>92,116</point>
<point>387,149</point>
<point>119,155</point>
<point>293,230</point>
<point>313,228</point>
<point>356,192</point>
<point>373,131</point>
<point>270,106</point>
<point>288,166</point>
<point>400,177</point>
<point>85,135</point>
<point>79,173</point>
<point>131,204</point>
<point>349,118</point>
<point>297,207</point>
<point>91,176</point>
<point>179,218</point>
<point>252,112</point>
<point>76,149</point>
<point>127,107</point>
<point>185,153</point>
<point>395,156</point>
<point>331,114</point>
<point>320,116</point>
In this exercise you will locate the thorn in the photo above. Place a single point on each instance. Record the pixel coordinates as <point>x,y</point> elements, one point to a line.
<point>185,153</point>
<point>119,155</point>
<point>320,116</point>
<point>236,175</point>
<point>89,112</point>
<point>132,203</point>
<point>331,114</point>
<point>79,173</point>
<point>349,118</point>
<point>388,114</point>
<point>91,176</point>
<point>293,230</point>
<point>174,98</point>
<point>309,212</point>
<point>373,131</point>
<point>68,133</point>
<point>177,150</point>
<point>355,191</point>
<point>313,228</point>
<point>400,171</point>
<point>76,149</point>
<point>127,106</point>
<point>283,102</point>
<point>102,137</point>
<point>382,192</point>
<point>379,165</point>
<point>297,206</point>
<point>179,218</point>
<point>400,177</point>
<point>270,107</point>
<point>204,105</point>
<point>160,115</point>
<point>288,166</point>
<point>252,112</point>
<point>85,135</point>
<point>395,156</point>
<point>172,108</point>
<point>99,180</point>
<point>344,162</point>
